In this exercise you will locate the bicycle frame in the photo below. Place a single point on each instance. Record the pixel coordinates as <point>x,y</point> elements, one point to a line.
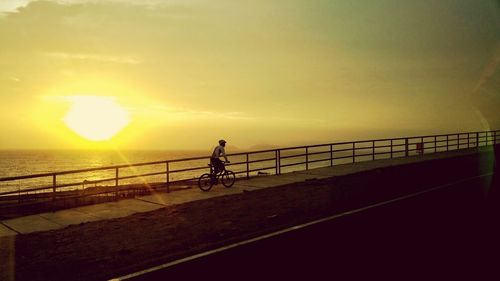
<point>220,172</point>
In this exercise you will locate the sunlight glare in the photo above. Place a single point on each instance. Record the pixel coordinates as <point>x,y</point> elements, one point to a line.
<point>96,118</point>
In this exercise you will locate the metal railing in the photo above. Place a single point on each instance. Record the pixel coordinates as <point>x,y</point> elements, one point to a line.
<point>247,164</point>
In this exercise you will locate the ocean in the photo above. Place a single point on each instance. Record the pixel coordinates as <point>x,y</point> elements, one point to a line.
<point>27,162</point>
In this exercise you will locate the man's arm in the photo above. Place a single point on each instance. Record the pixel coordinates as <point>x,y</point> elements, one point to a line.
<point>223,152</point>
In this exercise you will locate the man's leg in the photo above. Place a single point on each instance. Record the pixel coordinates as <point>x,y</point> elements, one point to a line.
<point>213,170</point>
<point>217,164</point>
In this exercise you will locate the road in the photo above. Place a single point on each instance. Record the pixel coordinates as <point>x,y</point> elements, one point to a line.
<point>441,234</point>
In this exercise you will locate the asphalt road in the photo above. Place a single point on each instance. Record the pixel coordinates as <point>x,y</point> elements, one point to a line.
<point>443,234</point>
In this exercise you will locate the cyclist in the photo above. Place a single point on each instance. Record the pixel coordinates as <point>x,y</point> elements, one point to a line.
<point>214,159</point>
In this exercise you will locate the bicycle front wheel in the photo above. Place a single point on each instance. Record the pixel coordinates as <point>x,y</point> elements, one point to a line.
<point>205,182</point>
<point>228,178</point>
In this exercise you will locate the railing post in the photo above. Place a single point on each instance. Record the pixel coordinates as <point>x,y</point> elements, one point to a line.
<point>435,144</point>
<point>53,189</point>
<point>495,138</point>
<point>116,177</point>
<point>373,150</point>
<point>468,142</point>
<point>331,155</point>
<point>116,182</point>
<point>276,161</point>
<point>167,172</point>
<point>391,148</point>
<point>477,139</point>
<point>353,152</point>
<point>307,158</point>
<point>447,142</point>
<point>248,167</point>
<point>406,147</point>
<point>279,161</point>
<point>458,141</point>
<point>486,138</point>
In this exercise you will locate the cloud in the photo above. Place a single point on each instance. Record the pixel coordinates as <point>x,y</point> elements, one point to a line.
<point>187,113</point>
<point>95,57</point>
<point>11,6</point>
<point>13,79</point>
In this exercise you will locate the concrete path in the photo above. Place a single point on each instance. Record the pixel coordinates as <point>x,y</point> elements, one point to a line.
<point>123,208</point>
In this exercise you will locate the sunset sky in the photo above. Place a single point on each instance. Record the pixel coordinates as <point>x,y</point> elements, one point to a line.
<point>182,74</point>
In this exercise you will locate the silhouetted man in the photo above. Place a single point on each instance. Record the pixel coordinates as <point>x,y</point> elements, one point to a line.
<point>218,152</point>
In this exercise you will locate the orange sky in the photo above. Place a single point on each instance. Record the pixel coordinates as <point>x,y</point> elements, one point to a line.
<point>253,72</point>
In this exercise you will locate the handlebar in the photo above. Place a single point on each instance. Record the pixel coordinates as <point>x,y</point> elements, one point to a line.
<point>223,162</point>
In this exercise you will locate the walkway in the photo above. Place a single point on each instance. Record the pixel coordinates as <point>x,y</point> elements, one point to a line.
<point>123,208</point>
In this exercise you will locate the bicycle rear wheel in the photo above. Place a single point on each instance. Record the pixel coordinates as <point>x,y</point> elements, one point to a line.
<point>205,182</point>
<point>228,178</point>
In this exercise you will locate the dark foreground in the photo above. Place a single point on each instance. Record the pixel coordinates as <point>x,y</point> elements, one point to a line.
<point>447,233</point>
<point>439,235</point>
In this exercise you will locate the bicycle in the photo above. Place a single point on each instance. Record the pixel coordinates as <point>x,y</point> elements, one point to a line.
<point>207,180</point>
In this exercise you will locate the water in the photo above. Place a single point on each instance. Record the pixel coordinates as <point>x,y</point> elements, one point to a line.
<point>27,162</point>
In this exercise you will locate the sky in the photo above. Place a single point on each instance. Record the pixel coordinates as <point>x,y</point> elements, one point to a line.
<point>185,73</point>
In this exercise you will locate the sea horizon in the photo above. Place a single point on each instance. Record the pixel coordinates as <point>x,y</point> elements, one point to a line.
<point>20,162</point>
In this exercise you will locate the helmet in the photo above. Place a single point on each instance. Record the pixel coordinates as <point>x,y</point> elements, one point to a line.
<point>221,142</point>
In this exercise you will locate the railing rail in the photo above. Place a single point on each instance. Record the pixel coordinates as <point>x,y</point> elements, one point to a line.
<point>274,160</point>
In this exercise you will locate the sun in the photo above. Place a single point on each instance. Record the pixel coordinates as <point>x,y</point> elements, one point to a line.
<point>96,118</point>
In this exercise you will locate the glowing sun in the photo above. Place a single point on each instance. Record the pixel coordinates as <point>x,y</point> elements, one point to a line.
<point>96,118</point>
